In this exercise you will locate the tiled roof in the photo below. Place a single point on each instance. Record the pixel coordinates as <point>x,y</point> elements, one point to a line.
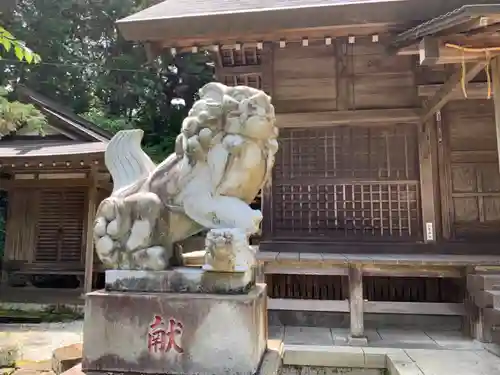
<point>447,20</point>
<point>17,149</point>
<point>202,21</point>
<point>193,8</point>
<point>59,116</point>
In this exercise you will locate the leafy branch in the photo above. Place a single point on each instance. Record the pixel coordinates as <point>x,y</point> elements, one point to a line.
<point>23,53</point>
<point>14,114</point>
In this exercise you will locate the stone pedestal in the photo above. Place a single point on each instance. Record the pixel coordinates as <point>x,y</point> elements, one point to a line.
<point>180,280</point>
<point>174,333</point>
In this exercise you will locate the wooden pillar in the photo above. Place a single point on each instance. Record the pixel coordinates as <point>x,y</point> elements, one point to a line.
<point>89,225</point>
<point>429,185</point>
<point>495,76</point>
<point>267,76</point>
<point>357,334</point>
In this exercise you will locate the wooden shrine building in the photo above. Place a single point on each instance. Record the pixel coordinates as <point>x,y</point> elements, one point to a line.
<point>52,184</point>
<point>385,196</point>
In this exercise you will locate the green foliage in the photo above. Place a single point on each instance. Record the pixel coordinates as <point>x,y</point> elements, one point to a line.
<point>109,123</point>
<point>88,67</point>
<point>23,53</point>
<point>14,114</point>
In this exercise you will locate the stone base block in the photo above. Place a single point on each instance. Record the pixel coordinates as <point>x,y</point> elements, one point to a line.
<point>357,341</point>
<point>180,280</point>
<point>66,357</point>
<point>173,333</point>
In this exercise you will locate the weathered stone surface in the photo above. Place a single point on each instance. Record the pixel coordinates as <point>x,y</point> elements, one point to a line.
<point>66,357</point>
<point>179,280</point>
<point>223,156</point>
<point>312,370</point>
<point>9,354</point>
<point>214,334</point>
<point>28,371</point>
<point>75,370</point>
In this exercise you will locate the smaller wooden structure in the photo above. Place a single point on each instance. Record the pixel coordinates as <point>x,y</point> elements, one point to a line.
<point>53,185</point>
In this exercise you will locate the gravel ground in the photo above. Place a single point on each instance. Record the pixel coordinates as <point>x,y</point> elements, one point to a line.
<point>35,342</point>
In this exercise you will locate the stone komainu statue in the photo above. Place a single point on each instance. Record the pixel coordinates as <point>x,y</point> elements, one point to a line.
<point>223,156</point>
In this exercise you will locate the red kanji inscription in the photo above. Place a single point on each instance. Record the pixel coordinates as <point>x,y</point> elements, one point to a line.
<point>162,338</point>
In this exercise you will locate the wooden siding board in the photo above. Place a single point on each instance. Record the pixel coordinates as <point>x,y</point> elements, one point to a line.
<point>60,225</point>
<point>474,182</point>
<point>342,76</point>
<point>21,225</point>
<point>304,75</point>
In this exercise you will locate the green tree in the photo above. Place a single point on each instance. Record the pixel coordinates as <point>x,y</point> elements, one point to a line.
<point>9,42</point>
<point>90,68</point>
<point>14,114</point>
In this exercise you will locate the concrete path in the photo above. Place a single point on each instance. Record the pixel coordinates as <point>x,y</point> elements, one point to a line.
<point>424,352</point>
<point>454,362</point>
<point>406,352</point>
<point>381,338</point>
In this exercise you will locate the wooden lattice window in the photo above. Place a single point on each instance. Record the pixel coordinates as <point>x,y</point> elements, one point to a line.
<point>347,182</point>
<point>252,80</point>
<point>60,225</point>
<point>240,57</point>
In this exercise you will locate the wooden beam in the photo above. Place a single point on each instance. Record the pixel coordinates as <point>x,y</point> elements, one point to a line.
<point>267,79</point>
<point>380,117</point>
<point>474,90</point>
<point>495,77</point>
<point>438,101</point>
<point>48,183</point>
<point>270,269</point>
<point>238,70</point>
<point>356,302</point>
<point>89,234</point>
<point>427,147</point>
<point>432,51</point>
<point>371,307</point>
<point>414,308</point>
<point>290,35</point>
<point>307,305</point>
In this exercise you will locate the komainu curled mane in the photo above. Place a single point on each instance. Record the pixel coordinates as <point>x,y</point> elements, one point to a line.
<point>223,156</point>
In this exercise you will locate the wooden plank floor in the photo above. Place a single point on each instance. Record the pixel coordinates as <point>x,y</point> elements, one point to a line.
<point>381,259</point>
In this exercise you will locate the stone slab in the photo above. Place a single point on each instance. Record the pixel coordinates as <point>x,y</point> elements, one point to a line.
<point>9,354</point>
<point>325,356</point>
<point>75,370</point>
<point>211,334</point>
<point>179,280</point>
<point>66,357</point>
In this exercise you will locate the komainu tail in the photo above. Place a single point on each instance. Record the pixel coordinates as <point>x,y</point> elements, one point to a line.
<point>125,160</point>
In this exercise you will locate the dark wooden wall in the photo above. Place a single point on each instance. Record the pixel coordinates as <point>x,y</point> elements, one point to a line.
<point>353,181</point>
<point>470,170</point>
<point>47,225</point>
<point>363,182</point>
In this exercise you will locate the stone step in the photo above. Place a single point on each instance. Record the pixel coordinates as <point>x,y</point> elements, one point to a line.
<point>482,299</point>
<point>66,357</point>
<point>494,295</point>
<point>482,281</point>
